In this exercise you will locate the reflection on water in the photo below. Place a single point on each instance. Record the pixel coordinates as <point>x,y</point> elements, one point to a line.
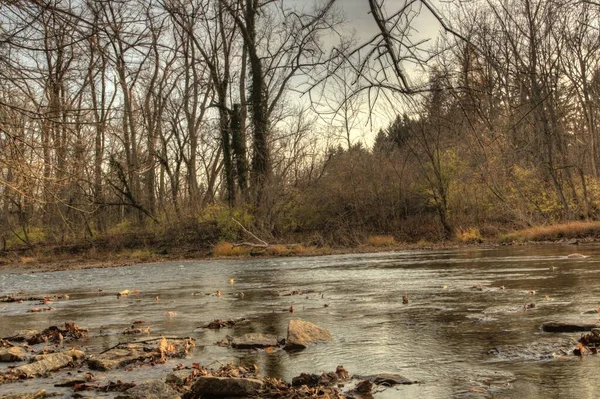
<point>442,338</point>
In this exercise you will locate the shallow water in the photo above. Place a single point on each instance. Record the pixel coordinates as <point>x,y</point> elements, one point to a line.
<point>451,337</point>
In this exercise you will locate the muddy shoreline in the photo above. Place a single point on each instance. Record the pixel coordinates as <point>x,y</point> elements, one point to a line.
<point>61,262</point>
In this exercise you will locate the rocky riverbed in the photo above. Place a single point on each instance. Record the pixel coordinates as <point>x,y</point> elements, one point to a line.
<point>58,355</point>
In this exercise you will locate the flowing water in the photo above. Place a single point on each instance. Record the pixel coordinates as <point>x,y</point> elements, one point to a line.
<point>465,329</point>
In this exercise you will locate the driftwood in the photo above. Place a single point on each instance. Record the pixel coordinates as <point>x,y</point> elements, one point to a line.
<point>262,244</point>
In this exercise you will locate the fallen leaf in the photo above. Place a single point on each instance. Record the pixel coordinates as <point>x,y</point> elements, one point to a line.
<point>231,281</point>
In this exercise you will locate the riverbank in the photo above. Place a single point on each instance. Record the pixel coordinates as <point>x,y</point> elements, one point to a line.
<point>126,250</point>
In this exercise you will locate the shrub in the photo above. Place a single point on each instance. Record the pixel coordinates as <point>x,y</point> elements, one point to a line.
<point>555,232</point>
<point>224,248</point>
<point>470,235</point>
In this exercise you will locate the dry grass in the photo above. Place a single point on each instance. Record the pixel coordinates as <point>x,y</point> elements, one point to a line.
<point>382,241</point>
<point>471,235</point>
<point>226,249</point>
<point>27,259</point>
<point>555,232</point>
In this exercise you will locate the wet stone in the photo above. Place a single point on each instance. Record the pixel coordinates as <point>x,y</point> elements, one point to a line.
<point>300,334</point>
<point>151,389</point>
<point>388,379</point>
<point>225,387</point>
<point>254,340</point>
<point>48,363</point>
<point>22,335</point>
<point>14,354</point>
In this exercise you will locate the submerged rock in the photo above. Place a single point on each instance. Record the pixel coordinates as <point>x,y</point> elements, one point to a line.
<point>254,340</point>
<point>151,389</point>
<point>14,354</point>
<point>300,334</point>
<point>225,387</point>
<point>48,363</point>
<point>558,327</point>
<point>388,379</point>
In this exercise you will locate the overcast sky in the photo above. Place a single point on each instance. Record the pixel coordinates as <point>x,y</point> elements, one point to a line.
<point>425,26</point>
<point>359,20</point>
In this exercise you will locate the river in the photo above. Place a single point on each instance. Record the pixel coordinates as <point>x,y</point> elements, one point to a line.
<point>464,333</point>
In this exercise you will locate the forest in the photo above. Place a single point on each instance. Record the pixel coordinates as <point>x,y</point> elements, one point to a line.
<point>200,121</point>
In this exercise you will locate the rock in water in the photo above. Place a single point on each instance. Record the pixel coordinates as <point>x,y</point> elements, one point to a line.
<point>254,340</point>
<point>151,389</point>
<point>14,354</point>
<point>302,333</point>
<point>225,386</point>
<point>558,327</point>
<point>389,379</point>
<point>47,363</point>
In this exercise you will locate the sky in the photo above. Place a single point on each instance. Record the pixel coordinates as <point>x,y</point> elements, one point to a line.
<point>425,26</point>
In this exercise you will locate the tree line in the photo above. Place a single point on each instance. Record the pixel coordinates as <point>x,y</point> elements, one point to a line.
<point>120,114</point>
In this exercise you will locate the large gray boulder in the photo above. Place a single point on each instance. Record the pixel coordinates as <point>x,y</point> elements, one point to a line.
<point>225,387</point>
<point>254,340</point>
<point>300,334</point>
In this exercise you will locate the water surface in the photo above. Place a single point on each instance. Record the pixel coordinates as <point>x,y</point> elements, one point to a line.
<point>465,326</point>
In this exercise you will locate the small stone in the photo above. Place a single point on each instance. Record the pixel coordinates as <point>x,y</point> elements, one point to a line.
<point>302,333</point>
<point>389,379</point>
<point>226,386</point>
<point>14,354</point>
<point>22,335</point>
